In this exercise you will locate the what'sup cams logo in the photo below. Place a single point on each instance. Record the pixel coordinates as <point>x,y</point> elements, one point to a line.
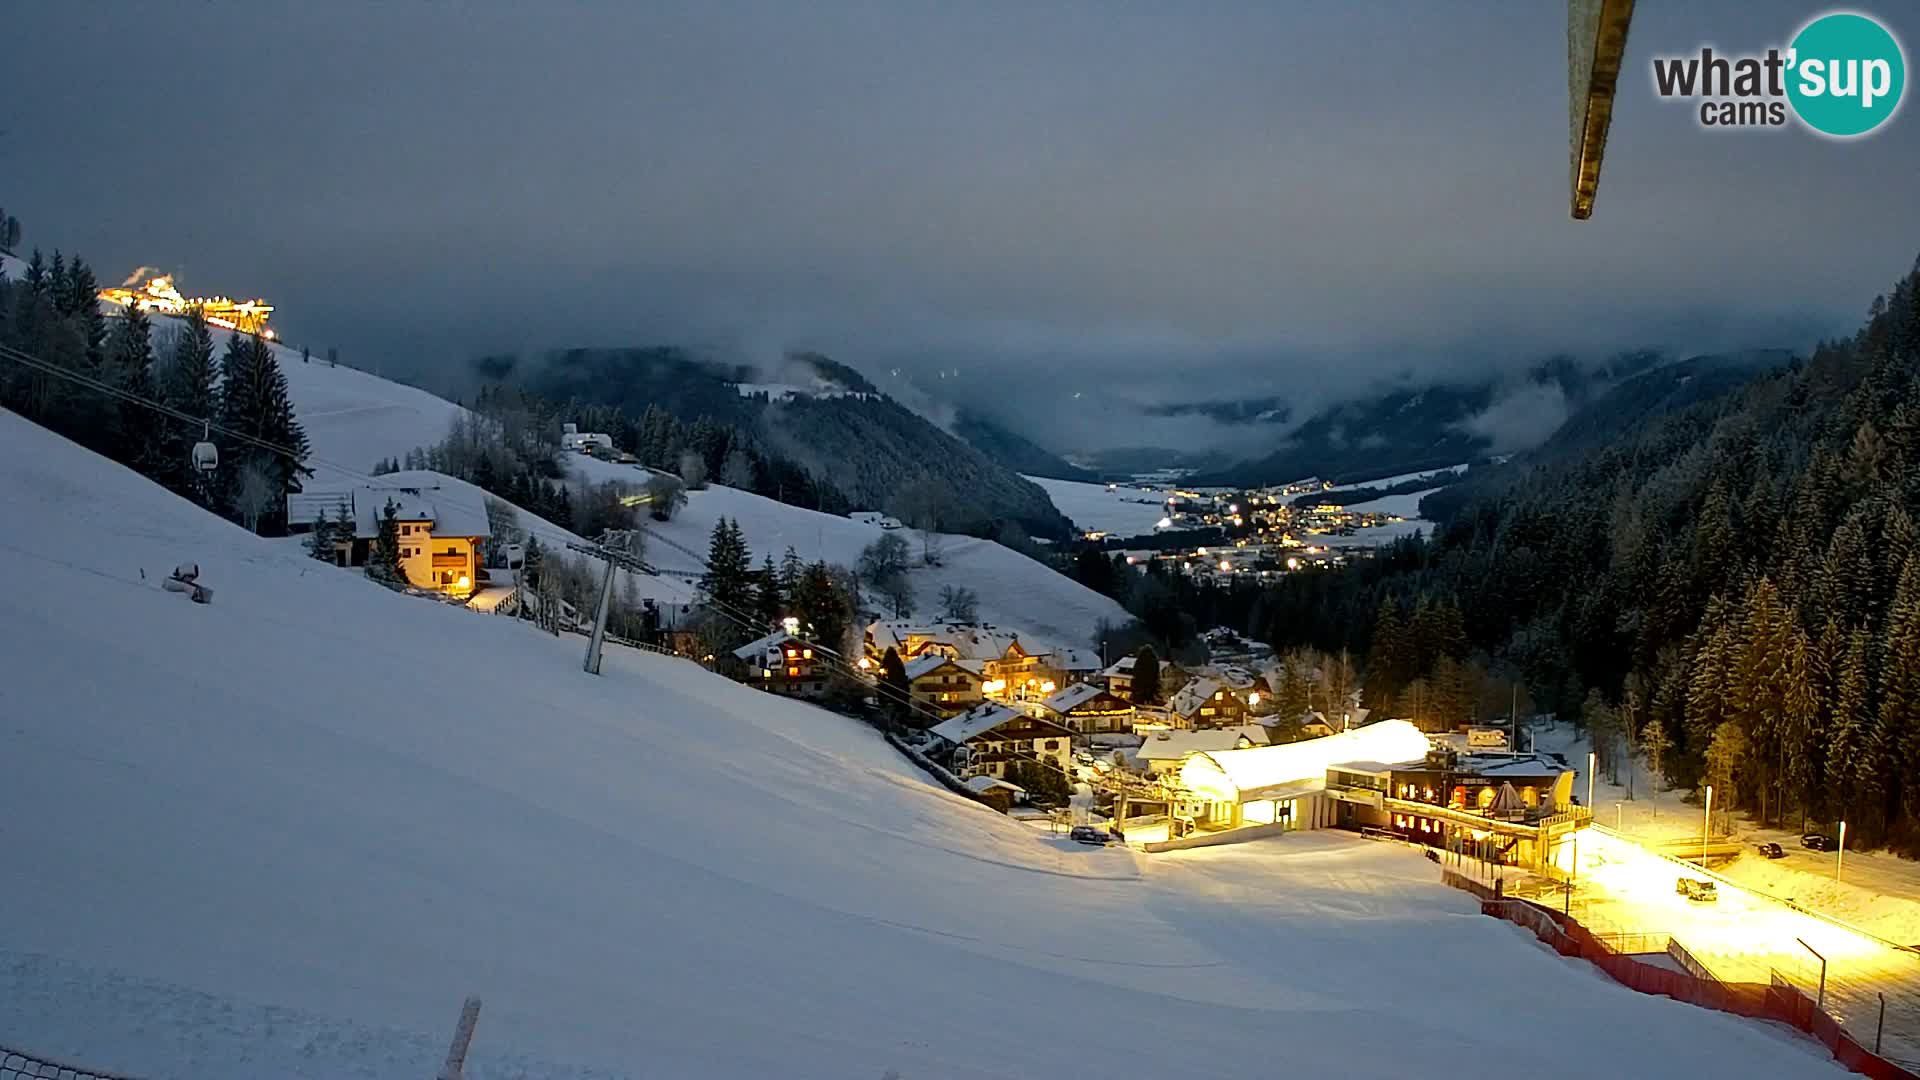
<point>1842,76</point>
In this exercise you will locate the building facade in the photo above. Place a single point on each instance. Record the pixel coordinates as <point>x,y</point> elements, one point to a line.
<point>783,664</point>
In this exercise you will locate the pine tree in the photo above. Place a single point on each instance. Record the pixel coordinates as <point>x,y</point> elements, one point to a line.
<point>139,433</point>
<point>1145,688</point>
<point>92,322</point>
<point>728,581</point>
<point>320,543</point>
<point>1850,774</point>
<point>1897,740</point>
<point>1290,697</point>
<point>383,561</point>
<point>824,604</point>
<point>1389,661</point>
<point>254,403</point>
<point>769,604</point>
<point>790,570</point>
<point>896,692</point>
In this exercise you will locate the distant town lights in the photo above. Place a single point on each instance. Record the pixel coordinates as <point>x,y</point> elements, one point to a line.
<point>790,624</point>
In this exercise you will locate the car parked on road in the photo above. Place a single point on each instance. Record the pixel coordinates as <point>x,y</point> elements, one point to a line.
<point>1770,850</point>
<point>1087,834</point>
<point>1814,841</point>
<point>1697,890</point>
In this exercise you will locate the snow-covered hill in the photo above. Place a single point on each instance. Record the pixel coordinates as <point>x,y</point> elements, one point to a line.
<point>1014,591</point>
<point>283,834</point>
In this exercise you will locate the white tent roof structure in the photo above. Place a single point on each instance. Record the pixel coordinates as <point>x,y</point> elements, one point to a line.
<point>1259,772</point>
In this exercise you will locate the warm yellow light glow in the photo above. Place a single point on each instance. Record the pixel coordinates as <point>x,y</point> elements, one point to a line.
<point>1253,698</point>
<point>1047,687</point>
<point>464,582</point>
<point>1293,564</point>
<point>791,624</point>
<point>1225,565</point>
<point>866,664</point>
<point>793,671</point>
<point>158,294</point>
<point>806,654</point>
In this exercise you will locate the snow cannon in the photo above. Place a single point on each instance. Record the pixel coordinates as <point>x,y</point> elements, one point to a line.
<point>186,579</point>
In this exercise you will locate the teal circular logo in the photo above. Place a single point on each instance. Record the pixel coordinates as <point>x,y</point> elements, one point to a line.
<point>1845,74</point>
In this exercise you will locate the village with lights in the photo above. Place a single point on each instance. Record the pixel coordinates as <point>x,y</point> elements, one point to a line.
<point>1255,535</point>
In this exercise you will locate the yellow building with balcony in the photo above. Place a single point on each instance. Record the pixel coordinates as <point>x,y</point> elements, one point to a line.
<point>441,531</point>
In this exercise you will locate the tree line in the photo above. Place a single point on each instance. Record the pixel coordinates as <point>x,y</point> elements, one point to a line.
<point>1731,590</point>
<point>53,313</point>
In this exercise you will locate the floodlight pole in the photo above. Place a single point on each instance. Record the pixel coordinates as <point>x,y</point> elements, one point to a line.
<point>1706,824</point>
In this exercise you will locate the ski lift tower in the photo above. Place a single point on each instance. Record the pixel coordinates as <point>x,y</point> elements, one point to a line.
<point>611,549</point>
<point>1596,45</point>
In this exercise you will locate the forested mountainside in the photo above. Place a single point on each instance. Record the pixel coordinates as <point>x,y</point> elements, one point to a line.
<point>1735,585</point>
<point>1015,451</point>
<point>859,448</point>
<point>1408,428</point>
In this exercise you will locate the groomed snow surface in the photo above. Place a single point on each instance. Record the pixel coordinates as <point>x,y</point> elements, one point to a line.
<point>284,834</point>
<point>1124,511</point>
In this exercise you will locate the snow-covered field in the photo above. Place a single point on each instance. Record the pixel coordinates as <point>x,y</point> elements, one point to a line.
<point>1014,591</point>
<point>283,834</point>
<point>1124,511</point>
<point>1406,505</point>
<point>1389,481</point>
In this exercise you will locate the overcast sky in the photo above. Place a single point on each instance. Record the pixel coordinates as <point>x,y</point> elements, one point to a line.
<point>1170,199</point>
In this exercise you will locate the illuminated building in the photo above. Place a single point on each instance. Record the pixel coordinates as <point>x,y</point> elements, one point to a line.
<point>158,294</point>
<point>780,663</point>
<point>945,686</point>
<point>1088,709</point>
<point>440,532</point>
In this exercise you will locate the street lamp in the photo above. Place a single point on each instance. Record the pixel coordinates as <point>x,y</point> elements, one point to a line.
<point>1591,758</point>
<point>1840,852</point>
<point>1616,816</point>
<point>1705,824</point>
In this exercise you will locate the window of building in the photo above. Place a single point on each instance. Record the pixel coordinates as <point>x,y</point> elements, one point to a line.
<point>1053,744</point>
<point>793,672</point>
<point>406,530</point>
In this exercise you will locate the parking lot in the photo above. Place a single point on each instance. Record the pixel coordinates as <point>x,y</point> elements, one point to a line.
<point>1743,936</point>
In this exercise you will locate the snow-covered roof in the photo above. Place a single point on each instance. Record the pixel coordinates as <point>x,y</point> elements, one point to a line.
<point>1174,745</point>
<point>1193,695</point>
<point>755,649</point>
<point>969,724</point>
<point>967,641</point>
<point>927,663</point>
<point>1075,660</point>
<point>446,511</point>
<point>1078,694</point>
<point>984,783</point>
<point>1122,667</point>
<point>1239,775</point>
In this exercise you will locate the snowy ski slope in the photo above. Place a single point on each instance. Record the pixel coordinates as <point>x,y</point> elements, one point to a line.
<point>282,835</point>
